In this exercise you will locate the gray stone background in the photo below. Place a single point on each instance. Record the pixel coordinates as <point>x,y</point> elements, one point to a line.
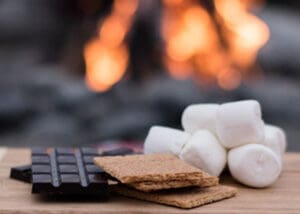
<point>44,101</point>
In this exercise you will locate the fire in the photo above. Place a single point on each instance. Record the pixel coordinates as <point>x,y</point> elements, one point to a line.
<point>246,33</point>
<point>229,79</point>
<point>217,45</point>
<point>107,55</point>
<point>187,32</point>
<point>182,45</point>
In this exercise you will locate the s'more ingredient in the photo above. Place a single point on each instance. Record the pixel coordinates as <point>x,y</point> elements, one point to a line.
<point>183,198</point>
<point>272,140</point>
<point>200,149</point>
<point>67,171</point>
<point>149,186</point>
<point>239,123</point>
<point>204,152</point>
<point>214,128</point>
<point>254,165</point>
<point>149,167</point>
<point>275,139</point>
<point>165,140</point>
<point>199,116</point>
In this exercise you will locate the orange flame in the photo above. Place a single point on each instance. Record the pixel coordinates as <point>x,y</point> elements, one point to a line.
<point>247,33</point>
<point>216,46</point>
<point>107,56</point>
<point>229,79</point>
<point>193,41</point>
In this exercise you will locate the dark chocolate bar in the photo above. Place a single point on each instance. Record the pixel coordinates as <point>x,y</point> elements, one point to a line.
<point>117,151</point>
<point>22,173</point>
<point>69,171</point>
<point>66,171</point>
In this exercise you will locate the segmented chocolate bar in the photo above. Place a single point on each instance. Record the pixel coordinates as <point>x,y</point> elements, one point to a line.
<point>69,171</point>
<point>22,173</point>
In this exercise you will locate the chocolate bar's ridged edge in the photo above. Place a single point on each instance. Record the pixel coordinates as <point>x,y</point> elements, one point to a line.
<point>81,168</point>
<point>54,169</point>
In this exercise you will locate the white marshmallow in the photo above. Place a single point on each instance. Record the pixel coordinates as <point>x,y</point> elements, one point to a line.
<point>165,140</point>
<point>199,116</point>
<point>239,123</point>
<point>204,151</point>
<point>273,131</point>
<point>274,140</point>
<point>254,165</point>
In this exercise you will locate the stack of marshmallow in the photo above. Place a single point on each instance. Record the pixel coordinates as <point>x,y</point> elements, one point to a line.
<point>232,133</point>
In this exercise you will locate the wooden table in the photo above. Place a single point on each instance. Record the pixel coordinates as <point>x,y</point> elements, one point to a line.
<point>282,197</point>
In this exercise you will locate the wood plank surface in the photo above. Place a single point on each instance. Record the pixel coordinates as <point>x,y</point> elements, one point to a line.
<point>282,197</point>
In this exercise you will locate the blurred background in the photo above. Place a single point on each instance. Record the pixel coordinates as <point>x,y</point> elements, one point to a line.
<point>86,71</point>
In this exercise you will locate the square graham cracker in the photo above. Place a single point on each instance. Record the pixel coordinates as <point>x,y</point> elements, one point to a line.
<point>148,167</point>
<point>208,180</point>
<point>185,198</point>
<point>148,186</point>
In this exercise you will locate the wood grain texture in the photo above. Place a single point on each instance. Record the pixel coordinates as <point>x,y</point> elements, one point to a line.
<point>282,197</point>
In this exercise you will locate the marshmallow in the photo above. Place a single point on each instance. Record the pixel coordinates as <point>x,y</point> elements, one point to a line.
<point>274,140</point>
<point>165,140</point>
<point>199,116</point>
<point>204,151</point>
<point>278,133</point>
<point>239,123</point>
<point>254,165</point>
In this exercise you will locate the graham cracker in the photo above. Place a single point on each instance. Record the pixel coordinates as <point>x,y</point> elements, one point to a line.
<point>148,167</point>
<point>183,198</point>
<point>209,180</point>
<point>149,186</point>
<point>154,186</point>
